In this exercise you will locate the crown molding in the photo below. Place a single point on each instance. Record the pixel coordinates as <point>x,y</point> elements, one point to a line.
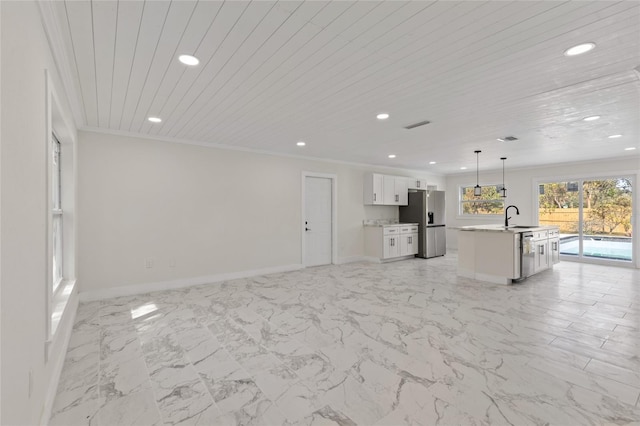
<point>421,173</point>
<point>61,58</point>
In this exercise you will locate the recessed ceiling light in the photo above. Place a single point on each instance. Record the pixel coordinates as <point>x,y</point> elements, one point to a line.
<point>382,116</point>
<point>591,118</point>
<point>432,162</point>
<point>500,140</point>
<point>189,60</point>
<point>392,156</point>
<point>301,143</point>
<point>631,148</point>
<point>615,136</point>
<point>154,119</point>
<point>463,168</point>
<point>579,49</point>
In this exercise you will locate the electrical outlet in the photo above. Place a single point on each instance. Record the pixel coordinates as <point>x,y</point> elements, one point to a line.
<point>148,262</point>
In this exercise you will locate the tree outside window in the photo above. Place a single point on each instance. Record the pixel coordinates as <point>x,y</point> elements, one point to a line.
<point>607,206</point>
<point>490,202</point>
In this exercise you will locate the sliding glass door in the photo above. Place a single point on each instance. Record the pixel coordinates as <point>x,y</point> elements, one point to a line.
<point>594,216</point>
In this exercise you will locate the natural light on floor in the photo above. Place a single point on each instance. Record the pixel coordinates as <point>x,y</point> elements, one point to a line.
<point>143,310</point>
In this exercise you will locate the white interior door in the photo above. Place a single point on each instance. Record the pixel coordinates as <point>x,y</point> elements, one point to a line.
<point>318,210</point>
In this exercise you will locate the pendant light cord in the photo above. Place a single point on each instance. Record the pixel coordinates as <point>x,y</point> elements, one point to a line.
<point>504,188</point>
<point>478,167</point>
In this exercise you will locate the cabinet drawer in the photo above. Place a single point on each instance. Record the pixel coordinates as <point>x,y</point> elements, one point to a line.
<point>408,229</point>
<point>554,233</point>
<point>391,230</point>
<point>540,235</point>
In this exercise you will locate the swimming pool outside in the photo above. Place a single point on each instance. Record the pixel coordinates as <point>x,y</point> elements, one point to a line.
<point>603,247</point>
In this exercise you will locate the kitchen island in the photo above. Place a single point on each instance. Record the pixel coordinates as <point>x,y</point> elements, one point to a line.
<point>502,255</point>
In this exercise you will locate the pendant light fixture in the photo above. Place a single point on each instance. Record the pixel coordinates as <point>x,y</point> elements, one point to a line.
<point>503,191</point>
<point>477,190</point>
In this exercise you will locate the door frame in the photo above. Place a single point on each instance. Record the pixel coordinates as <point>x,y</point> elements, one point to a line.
<point>334,214</point>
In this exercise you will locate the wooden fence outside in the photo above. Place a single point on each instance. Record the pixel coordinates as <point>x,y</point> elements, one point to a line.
<point>567,220</point>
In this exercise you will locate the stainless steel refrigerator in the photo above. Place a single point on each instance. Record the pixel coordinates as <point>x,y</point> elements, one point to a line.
<point>427,209</point>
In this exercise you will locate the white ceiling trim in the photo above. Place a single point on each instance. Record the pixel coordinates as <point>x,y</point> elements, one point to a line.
<point>100,130</point>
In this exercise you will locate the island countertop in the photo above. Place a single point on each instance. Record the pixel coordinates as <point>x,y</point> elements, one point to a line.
<point>514,229</point>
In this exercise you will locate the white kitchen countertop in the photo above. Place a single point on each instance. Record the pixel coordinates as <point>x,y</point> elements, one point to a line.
<point>501,228</point>
<point>390,224</point>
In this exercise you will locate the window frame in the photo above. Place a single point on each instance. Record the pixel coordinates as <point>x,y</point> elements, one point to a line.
<point>461,202</point>
<point>57,215</point>
<point>61,294</point>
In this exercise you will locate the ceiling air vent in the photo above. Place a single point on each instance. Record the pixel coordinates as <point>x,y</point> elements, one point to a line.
<point>510,138</point>
<point>413,126</point>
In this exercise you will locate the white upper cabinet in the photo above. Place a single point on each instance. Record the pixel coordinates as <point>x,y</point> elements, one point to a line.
<point>387,190</point>
<point>417,183</point>
<point>373,189</point>
<point>402,191</point>
<point>395,190</point>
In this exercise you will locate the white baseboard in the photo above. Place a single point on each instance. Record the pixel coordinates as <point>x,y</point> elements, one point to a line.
<point>467,273</point>
<point>130,290</point>
<point>59,347</point>
<point>352,259</point>
<point>495,279</point>
<point>371,259</point>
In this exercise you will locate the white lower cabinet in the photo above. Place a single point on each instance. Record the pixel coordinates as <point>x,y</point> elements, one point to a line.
<point>554,247</point>
<point>541,255</point>
<point>408,240</point>
<point>392,241</point>
<point>391,247</point>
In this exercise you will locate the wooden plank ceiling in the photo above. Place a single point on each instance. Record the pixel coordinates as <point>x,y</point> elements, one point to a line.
<point>275,73</point>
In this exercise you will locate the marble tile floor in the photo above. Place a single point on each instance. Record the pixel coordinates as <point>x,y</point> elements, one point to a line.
<point>403,343</point>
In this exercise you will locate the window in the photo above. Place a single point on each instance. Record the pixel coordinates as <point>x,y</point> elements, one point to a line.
<point>56,212</point>
<point>594,216</point>
<point>59,141</point>
<point>488,203</point>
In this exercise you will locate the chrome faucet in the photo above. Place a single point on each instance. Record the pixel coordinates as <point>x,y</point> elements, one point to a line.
<point>506,219</point>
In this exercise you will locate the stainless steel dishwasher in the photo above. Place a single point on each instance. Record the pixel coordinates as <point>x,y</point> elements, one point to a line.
<point>527,254</point>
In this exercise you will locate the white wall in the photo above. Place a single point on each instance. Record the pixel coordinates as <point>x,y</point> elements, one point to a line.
<point>24,272</point>
<point>210,211</point>
<point>522,192</point>
<point>0,212</point>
